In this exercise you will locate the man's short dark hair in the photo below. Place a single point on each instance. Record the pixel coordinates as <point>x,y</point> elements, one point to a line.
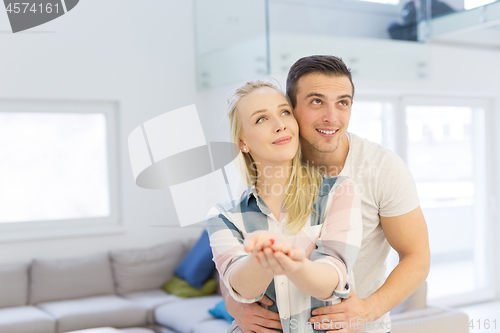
<point>316,64</point>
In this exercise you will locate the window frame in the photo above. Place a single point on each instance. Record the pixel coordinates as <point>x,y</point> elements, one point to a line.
<point>394,100</point>
<point>111,224</point>
<point>488,293</point>
<point>400,134</point>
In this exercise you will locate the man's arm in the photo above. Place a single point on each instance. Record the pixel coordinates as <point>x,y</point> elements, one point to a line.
<point>407,234</point>
<point>251,317</point>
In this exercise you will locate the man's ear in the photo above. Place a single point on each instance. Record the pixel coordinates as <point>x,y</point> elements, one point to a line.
<point>243,147</point>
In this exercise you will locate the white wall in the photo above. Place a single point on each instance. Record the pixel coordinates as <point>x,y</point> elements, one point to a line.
<point>141,54</point>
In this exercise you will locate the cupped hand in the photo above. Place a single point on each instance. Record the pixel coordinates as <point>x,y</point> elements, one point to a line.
<point>274,252</point>
<point>258,240</point>
<point>290,261</point>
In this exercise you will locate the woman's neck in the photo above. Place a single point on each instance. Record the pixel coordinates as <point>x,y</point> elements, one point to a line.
<point>271,185</point>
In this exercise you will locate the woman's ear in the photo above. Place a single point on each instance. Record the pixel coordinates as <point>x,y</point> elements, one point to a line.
<point>243,147</point>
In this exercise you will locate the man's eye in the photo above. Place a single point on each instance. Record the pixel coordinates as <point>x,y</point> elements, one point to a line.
<point>286,112</point>
<point>316,101</point>
<point>261,119</point>
<point>344,102</point>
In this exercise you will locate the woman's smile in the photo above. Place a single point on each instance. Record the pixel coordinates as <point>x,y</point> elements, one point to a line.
<point>283,140</point>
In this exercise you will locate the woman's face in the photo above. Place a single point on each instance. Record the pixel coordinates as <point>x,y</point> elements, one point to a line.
<point>270,132</point>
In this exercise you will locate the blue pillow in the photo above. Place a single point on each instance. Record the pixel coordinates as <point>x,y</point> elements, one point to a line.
<point>197,266</point>
<point>219,311</point>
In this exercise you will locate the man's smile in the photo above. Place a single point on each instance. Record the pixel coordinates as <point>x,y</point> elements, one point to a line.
<point>327,132</point>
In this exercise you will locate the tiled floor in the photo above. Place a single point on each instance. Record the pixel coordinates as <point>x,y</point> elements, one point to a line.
<point>483,314</point>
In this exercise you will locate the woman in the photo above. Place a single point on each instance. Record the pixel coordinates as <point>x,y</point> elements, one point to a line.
<point>294,234</point>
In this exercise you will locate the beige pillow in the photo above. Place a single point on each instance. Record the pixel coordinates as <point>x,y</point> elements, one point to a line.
<point>13,285</point>
<point>62,279</point>
<point>146,268</point>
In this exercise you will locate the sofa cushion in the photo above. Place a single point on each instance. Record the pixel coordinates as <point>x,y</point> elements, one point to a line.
<point>151,299</point>
<point>220,311</point>
<point>430,320</point>
<point>185,315</point>
<point>23,319</point>
<point>60,279</point>
<point>165,330</point>
<point>211,326</point>
<point>13,285</point>
<point>98,330</point>
<point>114,330</point>
<point>146,268</point>
<point>99,311</point>
<point>136,330</point>
<point>197,266</point>
<point>181,288</point>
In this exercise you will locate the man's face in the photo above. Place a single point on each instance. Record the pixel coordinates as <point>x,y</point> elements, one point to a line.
<point>323,110</point>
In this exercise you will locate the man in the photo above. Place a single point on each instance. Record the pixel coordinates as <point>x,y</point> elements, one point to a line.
<point>321,91</point>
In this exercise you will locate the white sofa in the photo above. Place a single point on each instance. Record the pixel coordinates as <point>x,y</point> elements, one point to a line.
<point>412,316</point>
<point>118,289</point>
<point>121,289</point>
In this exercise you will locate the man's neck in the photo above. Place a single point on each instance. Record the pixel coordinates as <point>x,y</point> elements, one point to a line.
<point>328,163</point>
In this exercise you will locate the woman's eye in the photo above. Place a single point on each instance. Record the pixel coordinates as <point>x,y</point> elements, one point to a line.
<point>261,119</point>
<point>286,112</point>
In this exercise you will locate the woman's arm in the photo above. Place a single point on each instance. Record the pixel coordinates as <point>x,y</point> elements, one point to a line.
<point>318,280</point>
<point>248,278</point>
<point>245,280</point>
<point>325,275</point>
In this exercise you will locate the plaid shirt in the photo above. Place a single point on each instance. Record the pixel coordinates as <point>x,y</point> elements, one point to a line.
<point>332,236</point>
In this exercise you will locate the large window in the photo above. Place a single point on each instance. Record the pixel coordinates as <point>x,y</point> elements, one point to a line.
<point>57,168</point>
<point>443,142</point>
<point>446,152</point>
<point>374,120</point>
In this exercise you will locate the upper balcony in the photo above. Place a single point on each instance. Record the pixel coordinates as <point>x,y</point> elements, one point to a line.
<point>248,39</point>
<point>471,26</point>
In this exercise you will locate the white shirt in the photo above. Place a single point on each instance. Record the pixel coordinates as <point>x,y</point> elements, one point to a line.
<point>387,189</point>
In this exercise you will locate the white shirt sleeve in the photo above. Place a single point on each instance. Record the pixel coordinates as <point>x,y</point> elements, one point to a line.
<point>396,188</point>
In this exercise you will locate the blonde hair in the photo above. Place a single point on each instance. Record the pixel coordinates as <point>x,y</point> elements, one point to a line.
<point>303,186</point>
